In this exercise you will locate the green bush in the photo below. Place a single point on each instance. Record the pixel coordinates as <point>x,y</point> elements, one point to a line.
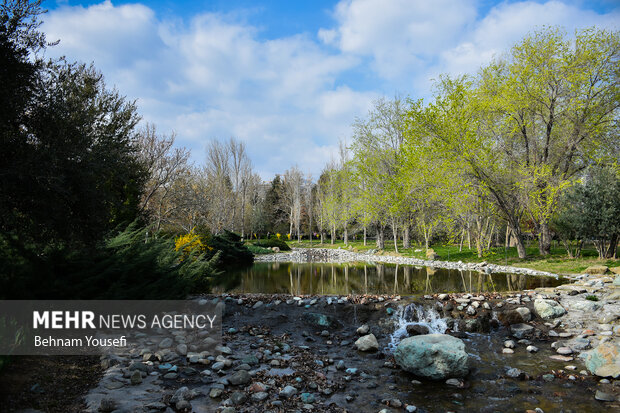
<point>232,251</point>
<point>591,297</point>
<point>273,242</point>
<point>256,250</point>
<point>126,266</point>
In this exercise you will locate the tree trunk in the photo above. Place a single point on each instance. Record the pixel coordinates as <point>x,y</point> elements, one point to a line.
<point>322,237</point>
<point>468,238</point>
<point>346,235</point>
<point>516,233</point>
<point>395,234</point>
<point>380,237</point>
<point>406,237</point>
<point>612,251</point>
<point>364,235</point>
<point>544,240</point>
<point>462,239</point>
<point>333,234</point>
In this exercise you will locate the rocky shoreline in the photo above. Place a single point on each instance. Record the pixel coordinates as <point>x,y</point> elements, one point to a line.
<point>541,350</point>
<point>342,256</point>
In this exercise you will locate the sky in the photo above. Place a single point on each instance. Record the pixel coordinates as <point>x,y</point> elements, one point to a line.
<point>288,78</point>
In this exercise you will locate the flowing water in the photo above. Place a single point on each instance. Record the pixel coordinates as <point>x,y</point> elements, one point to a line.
<point>415,314</point>
<point>344,279</point>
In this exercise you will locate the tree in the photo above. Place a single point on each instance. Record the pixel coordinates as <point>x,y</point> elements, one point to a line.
<point>592,211</point>
<point>165,164</point>
<point>555,105</point>
<point>293,187</point>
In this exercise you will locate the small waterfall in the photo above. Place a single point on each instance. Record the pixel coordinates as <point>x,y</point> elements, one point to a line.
<point>413,314</point>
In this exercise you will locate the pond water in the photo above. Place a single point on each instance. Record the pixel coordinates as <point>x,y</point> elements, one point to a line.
<point>344,279</point>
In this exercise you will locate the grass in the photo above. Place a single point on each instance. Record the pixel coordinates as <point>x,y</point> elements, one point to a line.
<point>558,262</point>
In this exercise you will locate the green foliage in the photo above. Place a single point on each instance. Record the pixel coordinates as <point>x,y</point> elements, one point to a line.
<point>591,297</point>
<point>273,242</point>
<point>229,249</point>
<point>126,266</point>
<point>256,250</point>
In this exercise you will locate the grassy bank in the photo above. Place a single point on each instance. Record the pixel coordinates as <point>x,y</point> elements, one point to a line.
<point>557,262</point>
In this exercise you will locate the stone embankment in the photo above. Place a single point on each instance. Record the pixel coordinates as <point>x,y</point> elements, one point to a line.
<point>340,256</point>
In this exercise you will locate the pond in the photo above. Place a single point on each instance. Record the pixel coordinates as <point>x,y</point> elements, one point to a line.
<point>344,279</point>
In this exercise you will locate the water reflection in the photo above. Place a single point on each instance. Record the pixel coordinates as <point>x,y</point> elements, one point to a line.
<point>338,279</point>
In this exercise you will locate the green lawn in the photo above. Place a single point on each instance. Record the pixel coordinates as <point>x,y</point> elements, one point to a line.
<point>558,262</point>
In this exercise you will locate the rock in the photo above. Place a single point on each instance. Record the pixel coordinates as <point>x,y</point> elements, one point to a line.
<point>215,392</point>
<point>417,329</point>
<point>548,309</point>
<point>260,396</point>
<point>584,305</point>
<point>363,330</point>
<point>596,269</point>
<point>454,382</point>
<point>275,249</point>
<point>604,397</point>
<point>182,349</point>
<point>318,320</point>
<point>559,357</point>
<point>166,342</point>
<point>434,356</point>
<point>509,344</point>
<point>182,405</point>
<point>615,270</point>
<point>257,305</point>
<point>411,408</point>
<point>156,406</point>
<point>514,373</point>
<point>288,392</point>
<point>521,330</point>
<point>525,313</point>
<point>470,310</point>
<point>136,377</point>
<point>238,397</point>
<point>507,351</point>
<point>240,377</point>
<point>308,398</point>
<point>565,351</point>
<point>367,343</point>
<point>532,349</point>
<point>604,360</point>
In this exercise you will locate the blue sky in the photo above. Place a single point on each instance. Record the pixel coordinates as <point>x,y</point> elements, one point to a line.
<point>289,77</point>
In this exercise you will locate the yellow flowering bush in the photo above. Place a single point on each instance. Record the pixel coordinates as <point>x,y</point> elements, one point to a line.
<point>278,235</point>
<point>190,243</point>
<point>288,236</point>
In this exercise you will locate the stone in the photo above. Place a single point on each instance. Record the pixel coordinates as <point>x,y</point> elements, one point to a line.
<point>509,344</point>
<point>584,305</point>
<point>367,343</point>
<point>565,351</point>
<point>470,310</point>
<point>260,396</point>
<point>604,360</point>
<point>166,342</point>
<point>525,313</point>
<point>238,397</point>
<point>604,397</point>
<point>596,269</point>
<point>240,377</point>
<point>434,356</point>
<point>182,405</point>
<point>417,329</point>
<point>532,349</point>
<point>107,405</point>
<point>559,357</point>
<point>431,254</point>
<point>288,392</point>
<point>307,398</point>
<point>411,408</point>
<point>363,330</point>
<point>514,373</point>
<point>521,330</point>
<point>182,349</point>
<point>507,351</point>
<point>547,309</point>
<point>256,305</point>
<point>318,320</point>
<point>615,270</point>
<point>215,392</point>
<point>454,382</point>
<point>136,377</point>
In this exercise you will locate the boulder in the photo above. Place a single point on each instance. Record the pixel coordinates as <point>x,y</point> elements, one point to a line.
<point>434,356</point>
<point>604,360</point>
<point>521,330</point>
<point>367,343</point>
<point>584,305</point>
<point>615,270</point>
<point>525,313</point>
<point>548,309</point>
<point>596,269</point>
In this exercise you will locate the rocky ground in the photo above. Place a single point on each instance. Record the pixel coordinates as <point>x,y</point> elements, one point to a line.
<point>546,350</point>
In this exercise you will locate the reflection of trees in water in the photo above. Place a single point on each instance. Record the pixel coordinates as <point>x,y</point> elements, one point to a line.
<point>338,279</point>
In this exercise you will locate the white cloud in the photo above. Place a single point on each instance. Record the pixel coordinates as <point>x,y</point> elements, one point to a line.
<point>291,99</point>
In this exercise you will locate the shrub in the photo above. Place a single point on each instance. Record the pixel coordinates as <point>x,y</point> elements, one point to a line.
<point>256,250</point>
<point>273,242</point>
<point>591,297</point>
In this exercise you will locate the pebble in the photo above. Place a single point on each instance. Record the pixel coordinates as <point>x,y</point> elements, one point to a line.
<point>604,397</point>
<point>509,344</point>
<point>507,351</point>
<point>532,349</point>
<point>288,391</point>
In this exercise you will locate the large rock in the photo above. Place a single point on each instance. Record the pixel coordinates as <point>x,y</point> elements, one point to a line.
<point>434,356</point>
<point>367,343</point>
<point>319,320</point>
<point>596,269</point>
<point>584,305</point>
<point>615,270</point>
<point>548,308</point>
<point>521,330</point>
<point>604,361</point>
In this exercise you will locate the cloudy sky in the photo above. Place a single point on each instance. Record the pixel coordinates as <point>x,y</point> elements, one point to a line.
<point>289,77</point>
